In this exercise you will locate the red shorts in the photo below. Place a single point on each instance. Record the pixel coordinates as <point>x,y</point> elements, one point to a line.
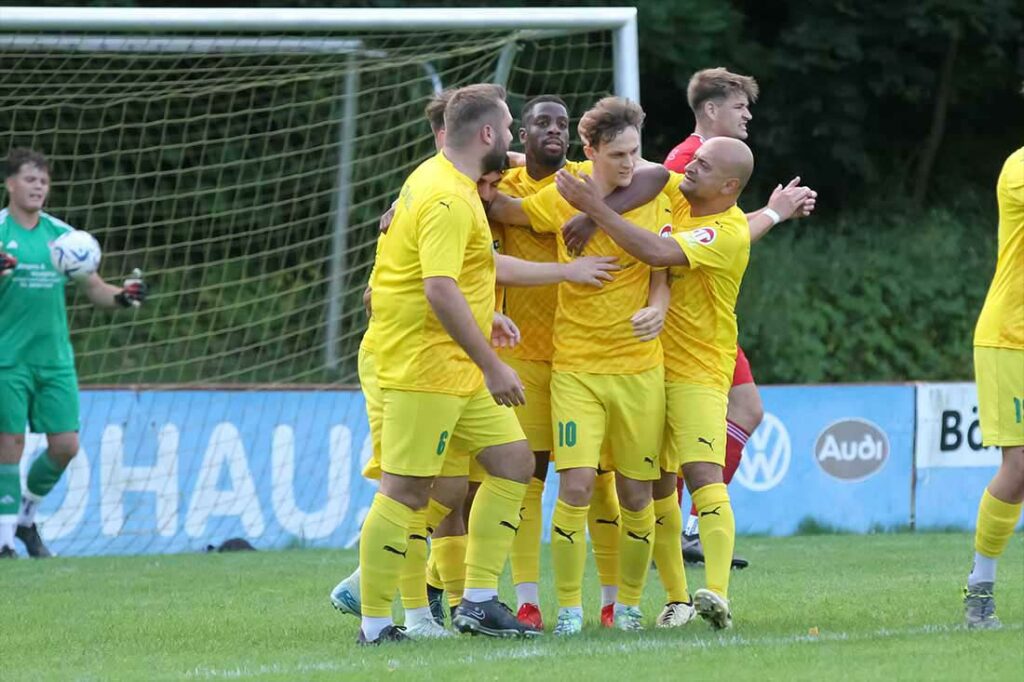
<point>742,374</point>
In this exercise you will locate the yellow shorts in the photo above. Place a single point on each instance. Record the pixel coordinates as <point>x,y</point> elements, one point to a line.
<point>999,373</point>
<point>624,412</point>
<point>420,428</point>
<point>535,415</point>
<point>694,425</point>
<point>456,463</point>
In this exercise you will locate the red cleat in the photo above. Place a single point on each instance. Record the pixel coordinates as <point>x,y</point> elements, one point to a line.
<point>608,616</point>
<point>529,614</point>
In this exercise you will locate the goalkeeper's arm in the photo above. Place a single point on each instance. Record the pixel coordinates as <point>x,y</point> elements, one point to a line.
<point>104,295</point>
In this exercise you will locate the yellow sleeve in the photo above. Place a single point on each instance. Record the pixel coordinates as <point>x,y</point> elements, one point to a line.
<point>577,167</point>
<point>544,210</point>
<point>672,186</point>
<point>714,247</point>
<point>443,229</point>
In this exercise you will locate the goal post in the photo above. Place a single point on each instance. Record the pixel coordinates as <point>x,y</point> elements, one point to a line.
<point>241,158</point>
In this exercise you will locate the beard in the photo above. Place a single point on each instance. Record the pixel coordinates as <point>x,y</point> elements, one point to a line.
<point>495,160</point>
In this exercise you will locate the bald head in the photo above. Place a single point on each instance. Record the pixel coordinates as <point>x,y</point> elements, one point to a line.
<point>719,171</point>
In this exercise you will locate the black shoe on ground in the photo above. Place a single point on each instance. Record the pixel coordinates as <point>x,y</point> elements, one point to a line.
<point>7,552</point>
<point>33,543</point>
<point>435,599</point>
<point>392,633</point>
<point>490,618</point>
<point>693,553</point>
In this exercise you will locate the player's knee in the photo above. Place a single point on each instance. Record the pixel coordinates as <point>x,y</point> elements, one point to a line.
<point>700,474</point>
<point>12,445</point>
<point>665,486</point>
<point>576,486</point>
<point>513,461</point>
<point>745,407</point>
<point>450,491</point>
<point>413,492</point>
<point>634,495</point>
<point>62,450</point>
<point>1012,470</point>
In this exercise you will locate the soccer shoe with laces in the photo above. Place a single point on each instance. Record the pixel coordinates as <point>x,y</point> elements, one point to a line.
<point>490,618</point>
<point>980,607</point>
<point>7,552</point>
<point>345,595</point>
<point>569,623</point>
<point>608,616</point>
<point>33,543</point>
<point>529,614</point>
<point>676,614</point>
<point>427,628</point>
<point>435,600</point>
<point>629,618</point>
<point>391,633</point>
<point>713,608</point>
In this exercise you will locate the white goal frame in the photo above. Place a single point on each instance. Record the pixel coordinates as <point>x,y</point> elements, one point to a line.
<point>73,23</point>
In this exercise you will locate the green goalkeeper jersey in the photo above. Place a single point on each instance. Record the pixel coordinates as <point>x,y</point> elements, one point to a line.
<point>33,315</point>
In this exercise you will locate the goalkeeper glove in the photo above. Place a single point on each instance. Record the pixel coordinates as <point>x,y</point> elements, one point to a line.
<point>134,291</point>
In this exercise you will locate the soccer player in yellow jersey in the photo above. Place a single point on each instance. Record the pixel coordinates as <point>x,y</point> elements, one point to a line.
<point>444,498</point>
<point>708,253</point>
<point>607,375</point>
<point>999,371</point>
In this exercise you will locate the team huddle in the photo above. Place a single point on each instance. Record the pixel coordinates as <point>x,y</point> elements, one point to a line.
<point>597,300</point>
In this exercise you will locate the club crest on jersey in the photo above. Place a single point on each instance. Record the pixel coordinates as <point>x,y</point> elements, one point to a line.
<point>702,236</point>
<point>666,230</point>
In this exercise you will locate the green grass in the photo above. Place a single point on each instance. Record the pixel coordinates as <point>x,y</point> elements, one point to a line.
<point>881,606</point>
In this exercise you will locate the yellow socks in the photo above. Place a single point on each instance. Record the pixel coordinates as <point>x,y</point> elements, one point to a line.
<point>569,552</point>
<point>435,514</point>
<point>635,545</point>
<point>433,575</point>
<point>383,547</point>
<point>717,534</point>
<point>411,586</point>
<point>493,523</point>
<point>668,550</point>
<point>604,523</point>
<point>996,521</point>
<point>525,553</point>
<point>449,555</point>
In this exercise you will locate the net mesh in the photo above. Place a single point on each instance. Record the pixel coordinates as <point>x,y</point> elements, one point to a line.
<point>214,164</point>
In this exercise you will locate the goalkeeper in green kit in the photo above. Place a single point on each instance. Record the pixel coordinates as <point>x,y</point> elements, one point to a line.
<point>38,385</point>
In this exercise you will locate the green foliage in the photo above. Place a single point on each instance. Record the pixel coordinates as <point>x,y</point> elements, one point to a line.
<point>872,296</point>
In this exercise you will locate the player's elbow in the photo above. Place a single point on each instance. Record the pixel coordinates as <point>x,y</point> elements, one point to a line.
<point>438,290</point>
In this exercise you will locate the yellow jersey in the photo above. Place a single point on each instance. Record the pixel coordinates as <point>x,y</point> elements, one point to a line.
<point>531,308</point>
<point>1001,323</point>
<point>369,342</point>
<point>439,230</point>
<point>700,331</point>
<point>592,329</point>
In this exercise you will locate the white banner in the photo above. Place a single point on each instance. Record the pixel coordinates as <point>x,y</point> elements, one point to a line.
<point>948,433</point>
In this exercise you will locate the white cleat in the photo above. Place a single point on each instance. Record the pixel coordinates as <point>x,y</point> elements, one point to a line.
<point>713,608</point>
<point>676,614</point>
<point>345,595</point>
<point>427,628</point>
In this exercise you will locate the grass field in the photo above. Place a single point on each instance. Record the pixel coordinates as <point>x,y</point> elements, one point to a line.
<point>811,607</point>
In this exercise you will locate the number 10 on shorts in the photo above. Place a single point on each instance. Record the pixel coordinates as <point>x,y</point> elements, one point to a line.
<point>566,434</point>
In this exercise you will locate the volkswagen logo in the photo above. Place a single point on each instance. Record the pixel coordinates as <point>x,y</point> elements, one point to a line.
<point>766,456</point>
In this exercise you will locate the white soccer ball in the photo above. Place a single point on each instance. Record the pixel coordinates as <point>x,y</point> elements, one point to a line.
<point>76,254</point>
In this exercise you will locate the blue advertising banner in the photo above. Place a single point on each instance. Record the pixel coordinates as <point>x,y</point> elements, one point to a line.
<point>174,471</point>
<point>840,456</point>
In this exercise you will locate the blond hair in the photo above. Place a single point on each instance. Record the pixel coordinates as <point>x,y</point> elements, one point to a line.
<point>718,84</point>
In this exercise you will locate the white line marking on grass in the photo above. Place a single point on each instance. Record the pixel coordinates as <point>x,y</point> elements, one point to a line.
<point>591,647</point>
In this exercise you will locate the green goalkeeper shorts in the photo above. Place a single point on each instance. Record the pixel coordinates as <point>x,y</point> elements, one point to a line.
<point>46,398</point>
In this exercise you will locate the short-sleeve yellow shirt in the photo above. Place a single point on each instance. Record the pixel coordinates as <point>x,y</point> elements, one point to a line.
<point>532,308</point>
<point>439,230</point>
<point>592,329</point>
<point>700,331</point>
<point>1001,323</point>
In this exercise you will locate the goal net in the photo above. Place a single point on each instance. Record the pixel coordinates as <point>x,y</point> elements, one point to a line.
<point>244,173</point>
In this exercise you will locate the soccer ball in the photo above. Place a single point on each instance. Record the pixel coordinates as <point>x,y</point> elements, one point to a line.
<point>76,254</point>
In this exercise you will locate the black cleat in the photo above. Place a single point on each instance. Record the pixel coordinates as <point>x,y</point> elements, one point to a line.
<point>33,543</point>
<point>693,553</point>
<point>490,618</point>
<point>435,599</point>
<point>7,552</point>
<point>392,633</point>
